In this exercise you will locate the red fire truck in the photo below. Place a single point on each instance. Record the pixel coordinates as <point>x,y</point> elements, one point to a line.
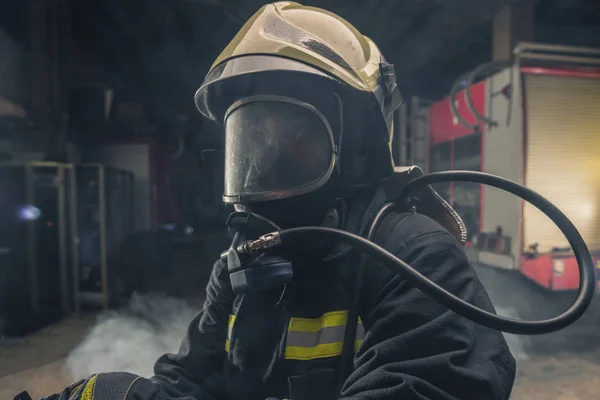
<point>535,121</point>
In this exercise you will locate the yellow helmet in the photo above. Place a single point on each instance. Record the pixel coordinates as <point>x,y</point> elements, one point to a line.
<point>322,71</point>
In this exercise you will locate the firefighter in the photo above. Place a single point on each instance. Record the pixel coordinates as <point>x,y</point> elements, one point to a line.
<point>307,103</point>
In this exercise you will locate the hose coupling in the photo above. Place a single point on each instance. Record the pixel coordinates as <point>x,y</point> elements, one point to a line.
<point>262,243</point>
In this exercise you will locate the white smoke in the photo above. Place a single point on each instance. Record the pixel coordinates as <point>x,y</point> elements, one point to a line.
<point>133,339</point>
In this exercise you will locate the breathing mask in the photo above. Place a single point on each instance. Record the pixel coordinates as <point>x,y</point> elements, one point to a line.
<point>275,148</point>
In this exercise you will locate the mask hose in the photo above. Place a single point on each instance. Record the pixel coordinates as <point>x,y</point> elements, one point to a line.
<point>582,254</point>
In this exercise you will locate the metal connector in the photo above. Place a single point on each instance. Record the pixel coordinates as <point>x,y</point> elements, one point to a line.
<point>270,240</point>
<point>264,242</point>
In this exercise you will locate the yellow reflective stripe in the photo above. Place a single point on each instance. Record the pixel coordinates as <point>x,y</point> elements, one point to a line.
<point>229,330</point>
<point>88,391</point>
<point>310,338</point>
<point>360,330</point>
<point>321,337</point>
<point>360,334</point>
<point>330,319</point>
<point>357,344</point>
<point>230,324</point>
<point>75,391</point>
<point>310,353</point>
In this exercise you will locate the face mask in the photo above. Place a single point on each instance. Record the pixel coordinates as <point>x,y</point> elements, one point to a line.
<point>275,148</point>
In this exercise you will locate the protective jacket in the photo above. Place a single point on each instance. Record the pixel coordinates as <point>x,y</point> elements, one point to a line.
<point>288,344</point>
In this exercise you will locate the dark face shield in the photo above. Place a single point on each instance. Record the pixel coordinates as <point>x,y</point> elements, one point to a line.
<point>275,148</point>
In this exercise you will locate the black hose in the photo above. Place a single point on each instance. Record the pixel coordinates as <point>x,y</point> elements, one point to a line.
<point>585,292</point>
<point>585,264</point>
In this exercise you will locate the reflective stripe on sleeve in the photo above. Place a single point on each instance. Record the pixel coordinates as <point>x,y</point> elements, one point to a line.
<point>88,390</point>
<point>229,330</point>
<point>321,337</point>
<point>360,334</point>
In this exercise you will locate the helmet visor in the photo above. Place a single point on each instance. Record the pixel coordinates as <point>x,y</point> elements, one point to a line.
<point>275,148</point>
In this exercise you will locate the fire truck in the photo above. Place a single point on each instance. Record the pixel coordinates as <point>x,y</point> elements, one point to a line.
<point>535,120</point>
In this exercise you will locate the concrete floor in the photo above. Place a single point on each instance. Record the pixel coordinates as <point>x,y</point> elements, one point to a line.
<point>36,363</point>
<point>557,378</point>
<point>39,381</point>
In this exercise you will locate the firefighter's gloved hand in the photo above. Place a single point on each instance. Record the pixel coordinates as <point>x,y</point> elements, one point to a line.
<point>64,395</point>
<point>219,290</point>
<point>109,386</point>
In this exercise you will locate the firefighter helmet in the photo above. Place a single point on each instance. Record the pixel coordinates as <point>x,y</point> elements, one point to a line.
<point>302,95</point>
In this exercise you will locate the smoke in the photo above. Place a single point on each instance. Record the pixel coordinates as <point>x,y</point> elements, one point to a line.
<point>131,340</point>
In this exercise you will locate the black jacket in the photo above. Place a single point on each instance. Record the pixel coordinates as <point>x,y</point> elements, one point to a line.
<point>262,345</point>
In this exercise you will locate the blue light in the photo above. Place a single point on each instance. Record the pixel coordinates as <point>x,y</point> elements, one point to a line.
<point>28,213</point>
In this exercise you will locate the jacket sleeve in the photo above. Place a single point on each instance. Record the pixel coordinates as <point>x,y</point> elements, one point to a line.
<point>414,348</point>
<point>197,370</point>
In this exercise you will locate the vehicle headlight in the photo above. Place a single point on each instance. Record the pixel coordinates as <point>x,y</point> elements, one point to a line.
<point>558,267</point>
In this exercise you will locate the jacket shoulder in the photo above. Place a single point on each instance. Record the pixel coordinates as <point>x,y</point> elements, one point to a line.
<point>399,229</point>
